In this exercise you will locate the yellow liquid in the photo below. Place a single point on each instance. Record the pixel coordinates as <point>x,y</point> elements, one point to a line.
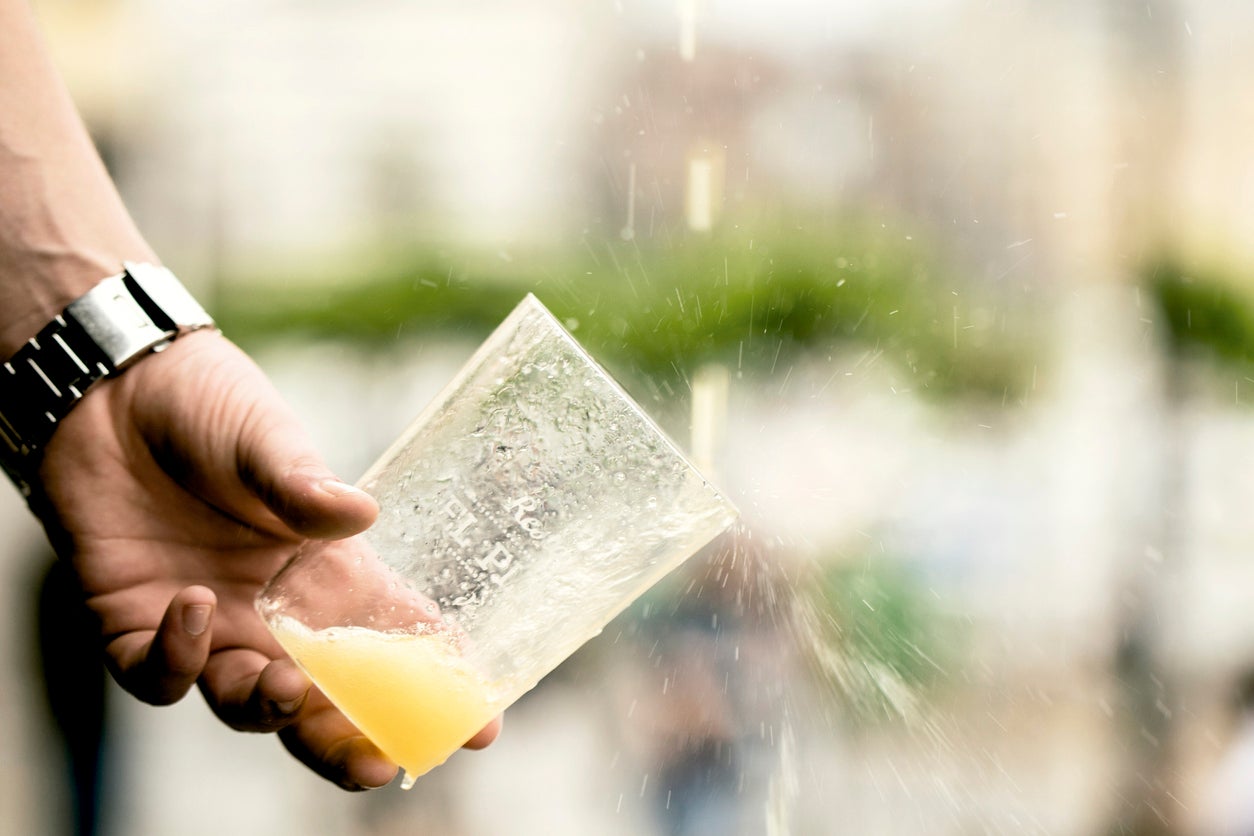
<point>412,694</point>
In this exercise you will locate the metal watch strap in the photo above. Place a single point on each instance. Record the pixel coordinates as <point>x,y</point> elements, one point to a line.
<point>98,335</point>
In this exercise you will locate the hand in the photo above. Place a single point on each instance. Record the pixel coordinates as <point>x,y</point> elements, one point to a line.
<point>175,491</point>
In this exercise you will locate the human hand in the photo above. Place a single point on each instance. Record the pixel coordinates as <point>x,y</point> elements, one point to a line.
<point>175,491</point>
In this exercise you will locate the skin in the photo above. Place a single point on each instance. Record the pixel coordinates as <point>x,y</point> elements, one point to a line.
<point>176,489</point>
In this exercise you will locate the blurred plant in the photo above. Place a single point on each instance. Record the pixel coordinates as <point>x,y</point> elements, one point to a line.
<point>877,637</point>
<point>660,309</point>
<point>1204,318</point>
<point>1204,312</point>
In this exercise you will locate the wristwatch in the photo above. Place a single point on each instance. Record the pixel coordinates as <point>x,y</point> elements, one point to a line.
<point>123,318</point>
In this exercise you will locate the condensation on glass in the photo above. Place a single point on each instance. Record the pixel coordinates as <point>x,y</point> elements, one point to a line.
<point>530,503</point>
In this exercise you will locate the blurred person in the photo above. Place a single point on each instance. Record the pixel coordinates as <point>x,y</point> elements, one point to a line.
<point>173,489</point>
<point>711,697</point>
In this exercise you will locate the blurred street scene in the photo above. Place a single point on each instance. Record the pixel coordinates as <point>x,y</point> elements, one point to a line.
<point>953,298</point>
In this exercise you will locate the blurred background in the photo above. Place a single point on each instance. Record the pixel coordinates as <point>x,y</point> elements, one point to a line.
<point>952,297</point>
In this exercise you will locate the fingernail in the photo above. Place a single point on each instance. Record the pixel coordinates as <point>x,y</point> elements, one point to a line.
<point>196,618</point>
<point>337,488</point>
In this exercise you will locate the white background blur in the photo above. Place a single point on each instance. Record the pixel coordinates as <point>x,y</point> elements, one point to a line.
<point>1050,150</point>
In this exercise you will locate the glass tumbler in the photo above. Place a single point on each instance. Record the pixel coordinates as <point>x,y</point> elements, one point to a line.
<point>524,508</point>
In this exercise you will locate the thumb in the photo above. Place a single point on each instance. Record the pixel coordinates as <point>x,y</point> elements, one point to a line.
<point>278,462</point>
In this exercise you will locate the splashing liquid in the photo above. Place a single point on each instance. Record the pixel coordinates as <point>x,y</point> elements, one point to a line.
<point>769,601</point>
<point>412,694</point>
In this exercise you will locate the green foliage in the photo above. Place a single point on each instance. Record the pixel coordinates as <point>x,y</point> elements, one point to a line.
<point>1203,312</point>
<point>881,613</point>
<point>375,308</point>
<point>666,308</point>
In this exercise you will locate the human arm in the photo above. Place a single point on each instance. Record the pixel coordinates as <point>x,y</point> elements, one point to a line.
<point>177,488</point>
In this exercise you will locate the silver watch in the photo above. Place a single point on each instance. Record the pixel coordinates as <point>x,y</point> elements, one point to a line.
<point>98,335</point>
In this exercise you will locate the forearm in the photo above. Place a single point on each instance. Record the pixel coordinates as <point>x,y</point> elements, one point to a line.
<point>62,224</point>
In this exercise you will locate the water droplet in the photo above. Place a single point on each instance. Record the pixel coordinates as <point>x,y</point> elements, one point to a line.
<point>620,477</point>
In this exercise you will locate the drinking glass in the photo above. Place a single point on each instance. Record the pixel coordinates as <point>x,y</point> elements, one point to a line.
<point>526,506</point>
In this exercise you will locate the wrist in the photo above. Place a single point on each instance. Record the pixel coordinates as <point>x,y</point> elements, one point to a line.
<point>119,320</point>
